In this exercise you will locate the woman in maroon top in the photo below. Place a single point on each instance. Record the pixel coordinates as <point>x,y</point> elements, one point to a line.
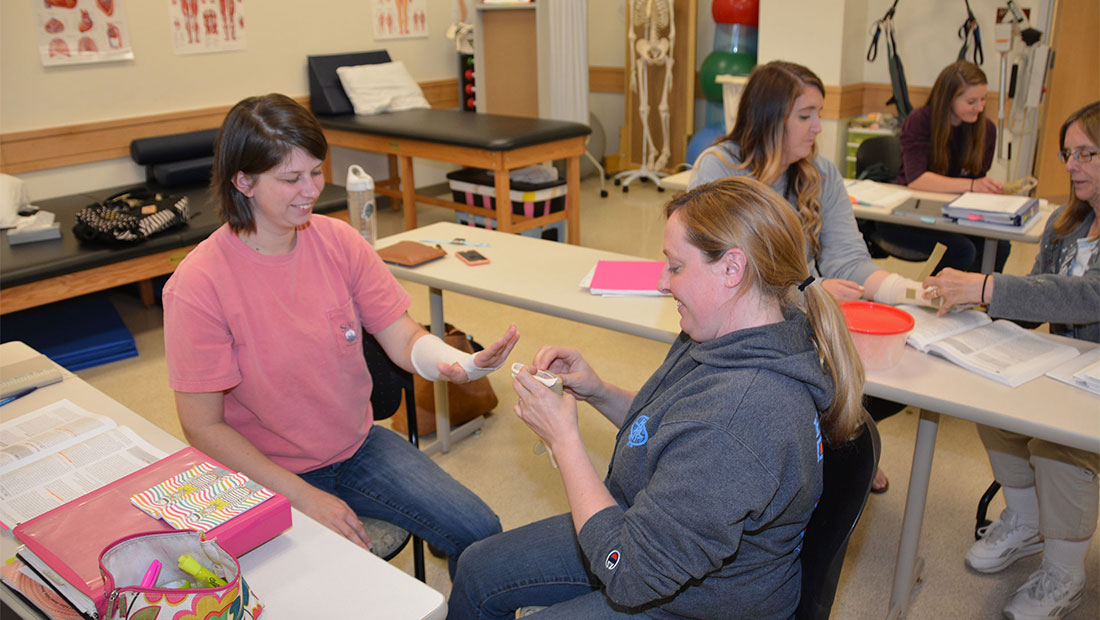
<point>947,146</point>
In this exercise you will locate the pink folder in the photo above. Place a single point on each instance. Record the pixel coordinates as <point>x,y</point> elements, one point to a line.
<point>626,277</point>
<point>69,538</point>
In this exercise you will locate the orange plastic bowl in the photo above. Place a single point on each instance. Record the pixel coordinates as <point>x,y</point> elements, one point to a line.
<point>878,331</point>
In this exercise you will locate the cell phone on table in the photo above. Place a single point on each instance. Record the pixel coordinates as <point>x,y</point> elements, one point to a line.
<point>472,257</point>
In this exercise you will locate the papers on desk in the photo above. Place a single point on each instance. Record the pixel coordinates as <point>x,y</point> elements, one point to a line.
<point>999,350</point>
<point>871,194</point>
<point>60,452</point>
<point>624,277</point>
<point>1082,371</point>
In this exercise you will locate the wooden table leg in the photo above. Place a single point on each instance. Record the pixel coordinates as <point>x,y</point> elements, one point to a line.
<point>503,188</point>
<point>573,199</point>
<point>408,191</point>
<point>145,290</point>
<point>391,163</point>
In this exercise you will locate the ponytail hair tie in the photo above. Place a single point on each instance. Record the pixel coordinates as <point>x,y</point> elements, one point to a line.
<point>805,283</point>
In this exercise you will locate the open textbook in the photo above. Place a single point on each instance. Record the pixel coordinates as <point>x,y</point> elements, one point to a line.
<point>999,350</point>
<point>60,452</point>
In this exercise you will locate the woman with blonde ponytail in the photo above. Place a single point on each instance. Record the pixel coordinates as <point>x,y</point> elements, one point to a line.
<point>718,464</point>
<point>773,140</point>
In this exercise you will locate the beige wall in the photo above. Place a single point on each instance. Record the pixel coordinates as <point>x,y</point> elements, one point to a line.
<point>829,36</point>
<point>158,81</point>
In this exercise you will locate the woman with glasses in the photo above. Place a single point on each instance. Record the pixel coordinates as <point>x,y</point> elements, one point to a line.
<point>1051,491</point>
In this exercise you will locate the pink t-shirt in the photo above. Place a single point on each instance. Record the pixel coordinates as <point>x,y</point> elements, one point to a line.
<point>281,336</point>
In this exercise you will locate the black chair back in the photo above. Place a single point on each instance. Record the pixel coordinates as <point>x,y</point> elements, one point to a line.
<point>879,159</point>
<point>392,384</point>
<point>848,471</point>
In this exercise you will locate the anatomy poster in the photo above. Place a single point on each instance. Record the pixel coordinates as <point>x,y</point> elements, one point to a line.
<point>203,26</point>
<point>400,19</point>
<point>80,31</point>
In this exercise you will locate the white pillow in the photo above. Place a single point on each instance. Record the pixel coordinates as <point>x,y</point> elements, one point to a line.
<point>383,87</point>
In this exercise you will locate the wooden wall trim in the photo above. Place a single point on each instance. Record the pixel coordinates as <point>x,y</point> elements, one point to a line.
<point>68,145</point>
<point>607,80</point>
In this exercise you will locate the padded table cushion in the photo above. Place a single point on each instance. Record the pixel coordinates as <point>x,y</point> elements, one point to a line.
<point>30,262</point>
<point>494,132</point>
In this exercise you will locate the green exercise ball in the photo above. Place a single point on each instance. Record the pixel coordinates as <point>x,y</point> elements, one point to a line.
<point>723,63</point>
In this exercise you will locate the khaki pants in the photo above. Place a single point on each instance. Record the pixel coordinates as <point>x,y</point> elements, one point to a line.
<point>1065,480</point>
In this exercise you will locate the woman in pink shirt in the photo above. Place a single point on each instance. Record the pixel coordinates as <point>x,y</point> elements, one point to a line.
<point>263,324</point>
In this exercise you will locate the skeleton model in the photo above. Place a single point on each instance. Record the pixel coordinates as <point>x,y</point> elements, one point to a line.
<point>652,17</point>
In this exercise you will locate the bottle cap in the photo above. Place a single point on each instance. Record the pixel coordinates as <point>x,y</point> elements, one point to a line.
<point>358,180</point>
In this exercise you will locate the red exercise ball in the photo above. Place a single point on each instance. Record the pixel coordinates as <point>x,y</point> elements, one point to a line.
<point>744,12</point>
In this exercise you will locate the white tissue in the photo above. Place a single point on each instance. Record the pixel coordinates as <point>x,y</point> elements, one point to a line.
<point>13,196</point>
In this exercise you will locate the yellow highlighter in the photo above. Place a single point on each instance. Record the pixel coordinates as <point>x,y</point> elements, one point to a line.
<point>205,578</point>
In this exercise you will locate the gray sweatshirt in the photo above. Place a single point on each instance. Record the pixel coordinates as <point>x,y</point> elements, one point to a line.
<point>843,251</point>
<point>1071,304</point>
<point>716,472</point>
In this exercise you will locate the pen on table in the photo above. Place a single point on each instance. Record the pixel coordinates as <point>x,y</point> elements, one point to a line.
<point>456,242</point>
<point>151,574</point>
<point>17,395</point>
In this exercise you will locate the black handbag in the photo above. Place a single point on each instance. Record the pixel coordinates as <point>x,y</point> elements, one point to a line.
<point>130,217</point>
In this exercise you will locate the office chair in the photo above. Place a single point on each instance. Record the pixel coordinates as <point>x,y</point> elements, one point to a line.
<point>846,482</point>
<point>391,384</point>
<point>878,159</point>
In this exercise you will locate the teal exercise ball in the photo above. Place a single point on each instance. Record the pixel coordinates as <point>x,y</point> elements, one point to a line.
<point>704,138</point>
<point>722,63</point>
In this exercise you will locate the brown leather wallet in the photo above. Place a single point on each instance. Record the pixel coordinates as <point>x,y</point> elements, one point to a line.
<point>410,253</point>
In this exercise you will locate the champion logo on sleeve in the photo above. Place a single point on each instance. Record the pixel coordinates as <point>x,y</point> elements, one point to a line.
<point>612,560</point>
<point>638,433</point>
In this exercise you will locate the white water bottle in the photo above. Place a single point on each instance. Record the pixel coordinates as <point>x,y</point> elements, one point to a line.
<point>360,187</point>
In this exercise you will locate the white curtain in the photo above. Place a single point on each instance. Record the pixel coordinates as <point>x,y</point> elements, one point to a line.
<point>569,59</point>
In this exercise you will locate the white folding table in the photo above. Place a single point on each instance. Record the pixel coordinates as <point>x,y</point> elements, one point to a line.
<point>308,571</point>
<point>1043,407</point>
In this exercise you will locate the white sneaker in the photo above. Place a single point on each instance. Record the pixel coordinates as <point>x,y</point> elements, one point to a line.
<point>1048,594</point>
<point>1003,542</point>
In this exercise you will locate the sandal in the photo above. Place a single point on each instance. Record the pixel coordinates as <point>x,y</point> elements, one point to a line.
<point>881,483</point>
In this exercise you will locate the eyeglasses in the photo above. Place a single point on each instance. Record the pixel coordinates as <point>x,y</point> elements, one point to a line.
<point>1082,156</point>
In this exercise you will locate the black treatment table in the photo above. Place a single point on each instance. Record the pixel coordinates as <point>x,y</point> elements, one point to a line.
<point>41,272</point>
<point>490,141</point>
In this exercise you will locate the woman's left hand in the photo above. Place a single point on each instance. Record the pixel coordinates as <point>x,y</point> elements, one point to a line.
<point>492,356</point>
<point>843,290</point>
<point>957,288</point>
<point>551,416</point>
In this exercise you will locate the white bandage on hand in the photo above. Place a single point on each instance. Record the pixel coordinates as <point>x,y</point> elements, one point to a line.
<point>896,290</point>
<point>430,351</point>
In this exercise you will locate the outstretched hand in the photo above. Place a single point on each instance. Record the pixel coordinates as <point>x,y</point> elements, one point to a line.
<point>493,356</point>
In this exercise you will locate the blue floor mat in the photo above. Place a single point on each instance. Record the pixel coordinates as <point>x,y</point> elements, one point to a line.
<point>76,333</point>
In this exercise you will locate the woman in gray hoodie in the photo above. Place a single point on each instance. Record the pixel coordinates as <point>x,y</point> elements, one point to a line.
<point>717,464</point>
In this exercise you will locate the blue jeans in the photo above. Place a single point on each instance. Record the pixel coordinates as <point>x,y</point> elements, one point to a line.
<point>390,480</point>
<point>539,564</point>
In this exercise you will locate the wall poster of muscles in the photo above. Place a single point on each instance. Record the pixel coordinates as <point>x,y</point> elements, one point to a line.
<point>82,31</point>
<point>400,19</point>
<point>204,26</point>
